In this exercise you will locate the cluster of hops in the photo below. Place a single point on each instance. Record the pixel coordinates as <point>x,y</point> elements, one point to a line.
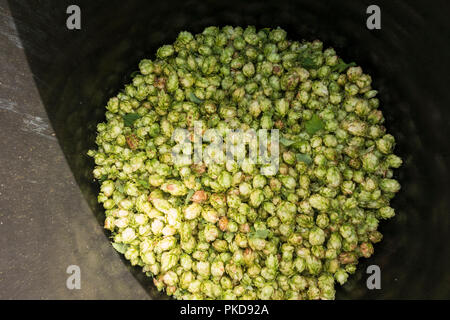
<point>225,231</point>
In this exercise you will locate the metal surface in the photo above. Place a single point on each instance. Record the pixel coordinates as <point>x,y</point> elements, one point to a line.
<point>47,224</point>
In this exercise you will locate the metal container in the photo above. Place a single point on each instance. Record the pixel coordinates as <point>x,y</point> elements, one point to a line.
<point>76,71</point>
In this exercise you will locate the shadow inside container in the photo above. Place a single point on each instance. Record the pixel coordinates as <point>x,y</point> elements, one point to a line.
<point>76,72</point>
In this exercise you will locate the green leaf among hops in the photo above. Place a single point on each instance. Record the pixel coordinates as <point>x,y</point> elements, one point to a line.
<point>130,118</point>
<point>314,124</point>
<point>260,234</point>
<point>304,158</point>
<point>120,247</point>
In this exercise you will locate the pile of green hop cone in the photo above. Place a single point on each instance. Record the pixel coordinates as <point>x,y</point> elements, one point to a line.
<point>224,230</point>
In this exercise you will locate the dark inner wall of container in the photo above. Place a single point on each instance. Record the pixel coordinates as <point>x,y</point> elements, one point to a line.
<point>77,71</point>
